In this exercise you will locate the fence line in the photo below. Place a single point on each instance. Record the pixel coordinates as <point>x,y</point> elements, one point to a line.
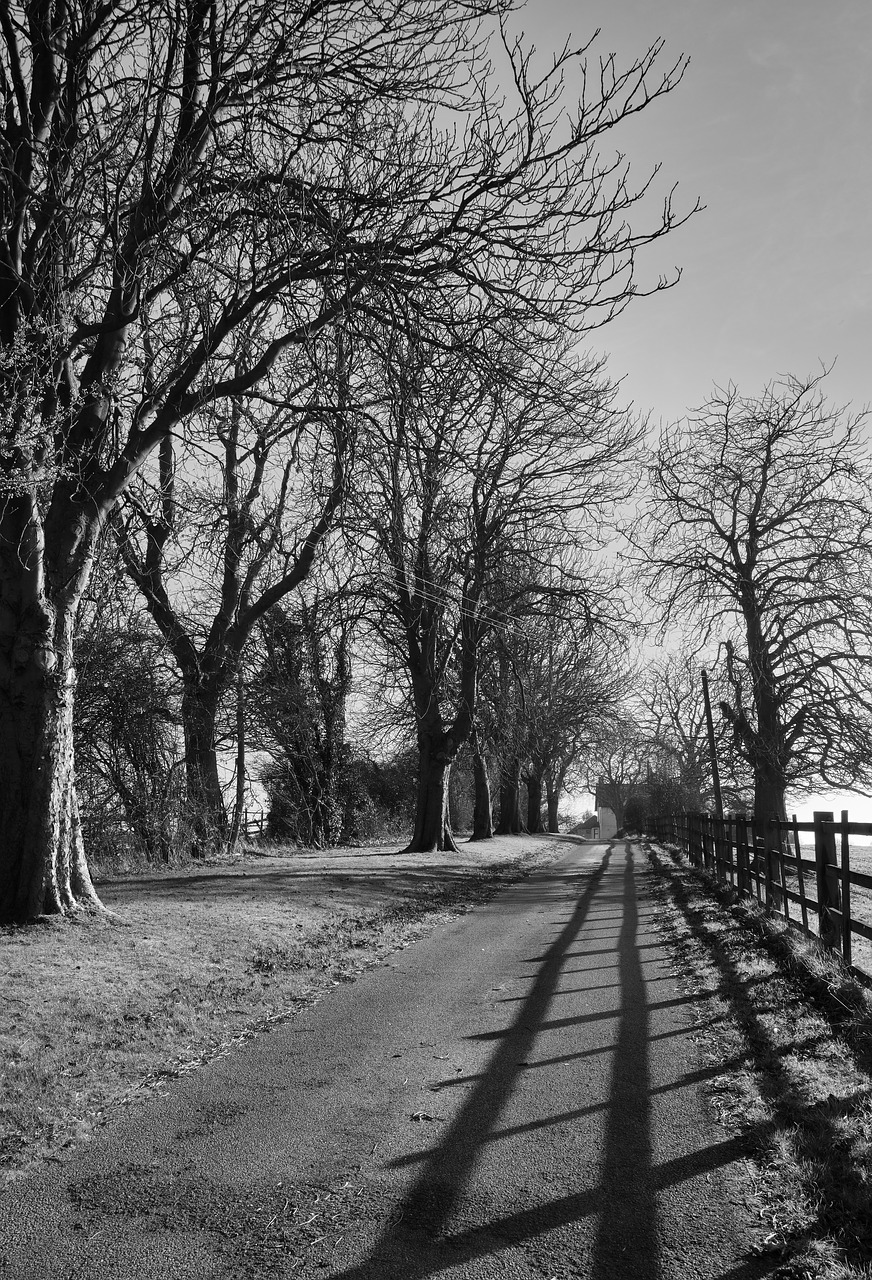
<point>755,858</point>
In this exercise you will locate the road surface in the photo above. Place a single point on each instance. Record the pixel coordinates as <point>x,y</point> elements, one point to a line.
<point>516,1095</point>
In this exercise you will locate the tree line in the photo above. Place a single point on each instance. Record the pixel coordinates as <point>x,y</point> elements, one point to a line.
<point>297,419</point>
<point>274,276</point>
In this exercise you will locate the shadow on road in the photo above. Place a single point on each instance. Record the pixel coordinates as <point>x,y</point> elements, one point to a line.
<point>626,1241</point>
<point>424,1236</point>
<point>625,1198</point>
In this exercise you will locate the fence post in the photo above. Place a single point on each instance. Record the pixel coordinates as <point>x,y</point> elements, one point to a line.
<point>775,860</point>
<point>730,841</point>
<point>742,877</point>
<point>827,877</point>
<point>846,890</point>
<point>757,865</point>
<point>803,905</point>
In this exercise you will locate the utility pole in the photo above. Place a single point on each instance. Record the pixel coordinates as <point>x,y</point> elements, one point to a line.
<point>716,777</point>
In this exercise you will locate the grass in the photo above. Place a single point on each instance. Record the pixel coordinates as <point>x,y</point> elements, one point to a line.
<point>792,1030</point>
<point>96,1013</point>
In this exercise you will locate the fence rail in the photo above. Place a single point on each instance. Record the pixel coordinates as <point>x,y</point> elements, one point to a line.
<point>765,860</point>
<point>253,825</point>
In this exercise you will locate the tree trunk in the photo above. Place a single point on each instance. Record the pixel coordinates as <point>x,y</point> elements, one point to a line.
<point>482,819</point>
<point>455,817</point>
<point>769,791</point>
<point>432,825</point>
<point>42,860</point>
<point>236,834</point>
<point>510,807</point>
<point>534,802</point>
<point>205,801</point>
<point>768,748</point>
<point>552,792</point>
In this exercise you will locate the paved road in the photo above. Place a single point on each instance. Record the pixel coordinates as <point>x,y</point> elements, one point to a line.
<point>517,1095</point>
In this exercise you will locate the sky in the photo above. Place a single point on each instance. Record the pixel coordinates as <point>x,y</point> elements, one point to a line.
<point>771,128</point>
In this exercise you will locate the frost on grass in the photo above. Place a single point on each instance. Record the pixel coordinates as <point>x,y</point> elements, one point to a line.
<point>93,1016</point>
<point>796,1075</point>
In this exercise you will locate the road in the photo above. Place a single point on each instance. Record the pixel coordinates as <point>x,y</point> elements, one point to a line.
<point>516,1095</point>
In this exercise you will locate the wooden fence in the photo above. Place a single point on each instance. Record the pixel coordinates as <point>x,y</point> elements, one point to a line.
<point>764,860</point>
<point>253,824</point>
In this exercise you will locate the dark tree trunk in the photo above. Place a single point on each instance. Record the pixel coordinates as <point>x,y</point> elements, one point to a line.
<point>766,745</point>
<point>432,832</point>
<point>455,800</point>
<point>482,818</point>
<point>510,805</point>
<point>769,792</point>
<point>534,802</point>
<point>42,860</point>
<point>552,791</point>
<point>205,798</point>
<point>236,833</point>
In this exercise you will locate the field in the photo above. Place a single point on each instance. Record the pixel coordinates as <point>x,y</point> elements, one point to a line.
<point>861,899</point>
<point>96,1014</point>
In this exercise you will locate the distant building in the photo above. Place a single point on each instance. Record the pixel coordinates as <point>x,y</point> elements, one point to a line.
<point>588,827</point>
<point>608,823</point>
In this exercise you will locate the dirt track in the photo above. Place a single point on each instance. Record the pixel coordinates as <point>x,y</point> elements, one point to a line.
<point>517,1095</point>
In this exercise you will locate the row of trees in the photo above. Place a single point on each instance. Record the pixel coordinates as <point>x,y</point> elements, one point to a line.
<point>337,761</point>
<point>275,277</point>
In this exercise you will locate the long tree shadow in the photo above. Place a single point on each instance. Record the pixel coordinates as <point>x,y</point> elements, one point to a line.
<point>424,1238</point>
<point>432,1199</point>
<point>817,1132</point>
<point>626,1242</point>
<point>625,1198</point>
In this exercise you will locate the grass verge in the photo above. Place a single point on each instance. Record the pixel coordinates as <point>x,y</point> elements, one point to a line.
<point>792,1031</point>
<point>96,1013</point>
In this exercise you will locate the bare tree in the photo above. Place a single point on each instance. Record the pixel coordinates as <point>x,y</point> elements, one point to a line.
<point>173,172</point>
<point>759,527</point>
<point>471,470</point>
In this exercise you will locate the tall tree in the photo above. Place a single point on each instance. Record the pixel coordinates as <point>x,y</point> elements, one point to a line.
<point>759,527</point>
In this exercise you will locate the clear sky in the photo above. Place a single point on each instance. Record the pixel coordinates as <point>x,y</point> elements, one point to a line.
<point>772,129</point>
